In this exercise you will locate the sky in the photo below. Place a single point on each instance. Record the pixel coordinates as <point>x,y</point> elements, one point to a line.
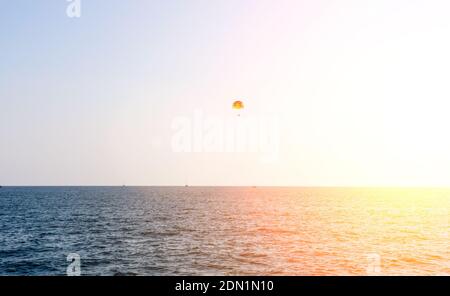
<point>336,93</point>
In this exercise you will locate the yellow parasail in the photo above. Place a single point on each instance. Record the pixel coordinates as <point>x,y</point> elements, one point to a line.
<point>238,105</point>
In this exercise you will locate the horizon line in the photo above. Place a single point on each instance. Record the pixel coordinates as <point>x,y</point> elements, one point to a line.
<point>251,186</point>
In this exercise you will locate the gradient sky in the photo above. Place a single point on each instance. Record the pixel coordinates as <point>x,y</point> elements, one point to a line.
<point>361,89</point>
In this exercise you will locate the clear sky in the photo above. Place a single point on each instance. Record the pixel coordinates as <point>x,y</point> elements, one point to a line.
<point>359,90</point>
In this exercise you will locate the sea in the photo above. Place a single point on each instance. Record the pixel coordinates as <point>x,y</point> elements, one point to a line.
<point>224,231</point>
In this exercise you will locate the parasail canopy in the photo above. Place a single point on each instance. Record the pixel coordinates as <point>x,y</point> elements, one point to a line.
<point>238,105</point>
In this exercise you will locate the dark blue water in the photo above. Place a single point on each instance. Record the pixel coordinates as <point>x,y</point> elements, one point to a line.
<point>223,231</point>
<point>115,230</point>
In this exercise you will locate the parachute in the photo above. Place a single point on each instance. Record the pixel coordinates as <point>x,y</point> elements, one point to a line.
<point>238,105</point>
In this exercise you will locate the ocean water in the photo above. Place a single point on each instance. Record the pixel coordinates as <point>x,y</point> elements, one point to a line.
<point>224,231</point>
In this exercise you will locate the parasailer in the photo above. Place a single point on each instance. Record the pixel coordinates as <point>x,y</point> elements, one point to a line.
<point>238,105</point>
